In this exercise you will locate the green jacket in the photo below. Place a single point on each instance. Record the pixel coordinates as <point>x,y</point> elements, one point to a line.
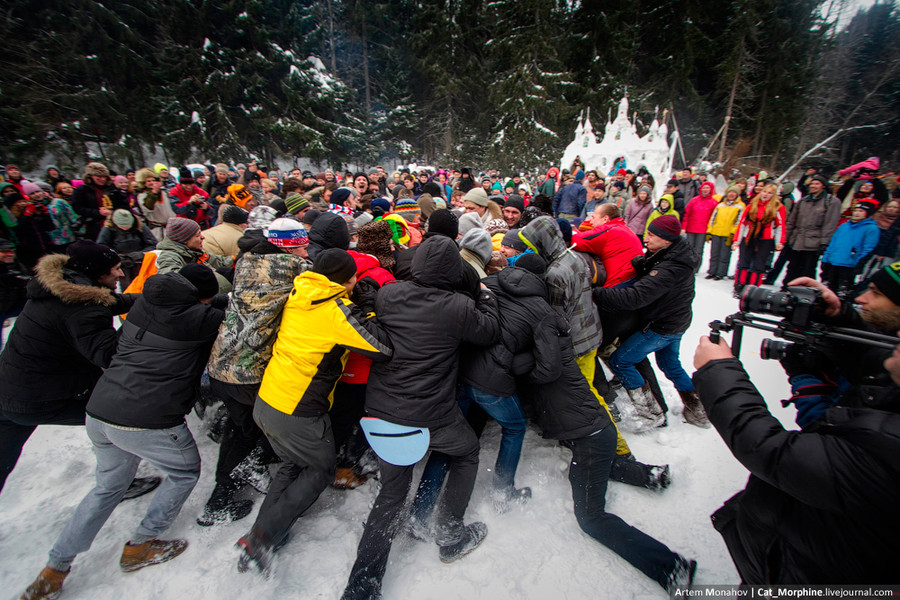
<point>174,255</point>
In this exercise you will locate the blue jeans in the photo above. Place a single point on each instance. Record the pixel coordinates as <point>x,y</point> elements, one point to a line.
<point>507,411</point>
<point>641,344</point>
<point>119,452</point>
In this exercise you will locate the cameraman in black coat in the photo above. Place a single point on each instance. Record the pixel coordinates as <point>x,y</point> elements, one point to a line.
<point>820,504</point>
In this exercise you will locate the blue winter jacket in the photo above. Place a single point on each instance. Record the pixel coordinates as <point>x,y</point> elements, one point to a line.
<point>851,243</point>
<point>570,199</point>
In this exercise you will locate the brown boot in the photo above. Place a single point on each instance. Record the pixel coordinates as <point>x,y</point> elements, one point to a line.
<point>345,478</point>
<point>648,413</point>
<point>47,586</point>
<point>149,553</point>
<point>693,409</point>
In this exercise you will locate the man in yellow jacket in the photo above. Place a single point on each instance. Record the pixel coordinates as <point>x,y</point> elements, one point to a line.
<point>318,327</point>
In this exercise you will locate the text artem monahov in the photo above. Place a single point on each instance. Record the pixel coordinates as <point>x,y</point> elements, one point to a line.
<point>730,591</point>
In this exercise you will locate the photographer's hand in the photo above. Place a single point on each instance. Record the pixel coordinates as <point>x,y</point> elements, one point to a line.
<point>829,299</point>
<point>707,351</point>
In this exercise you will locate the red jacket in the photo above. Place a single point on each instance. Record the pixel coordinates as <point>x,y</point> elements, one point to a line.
<point>699,210</point>
<point>615,245</point>
<point>184,208</point>
<point>357,368</point>
<point>751,225</point>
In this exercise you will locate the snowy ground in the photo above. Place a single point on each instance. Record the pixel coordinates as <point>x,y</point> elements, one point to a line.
<point>533,552</point>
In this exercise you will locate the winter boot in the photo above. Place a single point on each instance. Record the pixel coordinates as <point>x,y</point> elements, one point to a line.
<point>647,411</point>
<point>141,486</point>
<point>345,478</point>
<point>47,586</point>
<point>681,577</point>
<point>152,552</point>
<point>504,498</point>
<point>693,409</point>
<point>473,535</point>
<point>218,423</point>
<point>253,471</point>
<point>254,550</point>
<point>418,530</point>
<point>659,478</point>
<point>222,507</point>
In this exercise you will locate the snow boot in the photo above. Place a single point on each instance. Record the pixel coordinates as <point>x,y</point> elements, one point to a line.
<point>658,478</point>
<point>682,576</point>
<point>473,535</point>
<point>47,586</point>
<point>254,550</point>
<point>140,486</point>
<point>345,478</point>
<point>504,498</point>
<point>152,552</point>
<point>693,409</point>
<point>418,530</point>
<point>222,507</point>
<point>647,410</point>
<point>253,471</point>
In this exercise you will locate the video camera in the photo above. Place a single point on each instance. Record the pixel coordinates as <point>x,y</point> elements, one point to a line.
<point>797,306</point>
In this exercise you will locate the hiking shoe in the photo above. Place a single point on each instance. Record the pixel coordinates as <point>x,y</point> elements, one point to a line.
<point>418,530</point>
<point>140,486</point>
<point>253,552</point>
<point>222,507</point>
<point>681,577</point>
<point>253,471</point>
<point>473,535</point>
<point>149,553</point>
<point>47,586</point>
<point>345,478</point>
<point>505,498</point>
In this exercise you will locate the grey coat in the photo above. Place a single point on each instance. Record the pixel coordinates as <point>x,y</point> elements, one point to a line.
<point>813,221</point>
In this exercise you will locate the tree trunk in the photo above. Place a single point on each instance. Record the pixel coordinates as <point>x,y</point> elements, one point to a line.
<point>731,96</point>
<point>367,83</point>
<point>331,40</point>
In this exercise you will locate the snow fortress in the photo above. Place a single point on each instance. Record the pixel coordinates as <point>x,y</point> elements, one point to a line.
<point>622,147</point>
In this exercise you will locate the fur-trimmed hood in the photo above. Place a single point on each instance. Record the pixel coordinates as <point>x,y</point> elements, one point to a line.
<point>52,277</point>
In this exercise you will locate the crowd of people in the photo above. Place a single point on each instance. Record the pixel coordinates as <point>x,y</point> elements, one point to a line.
<point>340,316</point>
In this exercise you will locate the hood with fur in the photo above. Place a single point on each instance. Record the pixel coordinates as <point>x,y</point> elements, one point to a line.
<point>71,287</point>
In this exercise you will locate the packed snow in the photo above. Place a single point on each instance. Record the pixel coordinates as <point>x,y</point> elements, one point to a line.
<point>535,551</point>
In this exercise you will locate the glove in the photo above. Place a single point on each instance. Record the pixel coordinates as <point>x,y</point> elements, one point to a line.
<point>801,360</point>
<point>34,209</point>
<point>364,294</point>
<point>812,397</point>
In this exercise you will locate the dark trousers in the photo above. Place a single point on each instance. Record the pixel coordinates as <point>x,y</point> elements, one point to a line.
<point>348,408</point>
<point>589,470</point>
<point>306,445</point>
<point>752,263</point>
<point>803,264</point>
<point>458,442</point>
<point>838,279</point>
<point>719,256</point>
<point>242,433</point>
<point>696,241</point>
<point>16,428</point>
<point>775,271</point>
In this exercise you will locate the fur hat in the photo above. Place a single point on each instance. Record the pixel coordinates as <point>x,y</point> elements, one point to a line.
<point>375,239</point>
<point>95,169</point>
<point>91,259</point>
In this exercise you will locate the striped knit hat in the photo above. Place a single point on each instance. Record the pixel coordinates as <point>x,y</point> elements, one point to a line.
<point>295,203</point>
<point>407,208</point>
<point>179,229</point>
<point>287,233</point>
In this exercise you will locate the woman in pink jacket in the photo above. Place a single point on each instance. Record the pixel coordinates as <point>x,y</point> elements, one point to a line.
<point>696,218</point>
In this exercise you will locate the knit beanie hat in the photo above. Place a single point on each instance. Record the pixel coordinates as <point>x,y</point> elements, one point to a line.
<point>221,168</point>
<point>375,239</point>
<point>645,188</point>
<point>185,175</point>
<point>383,203</point>
<point>821,179</point>
<point>496,226</point>
<point>6,244</point>
<point>869,205</point>
<point>478,241</point>
<point>672,181</point>
<point>335,264</point>
<point>46,187</point>
<point>667,227</point>
<point>295,203</point>
<point>532,262</point>
<point>91,259</point>
<point>406,208</point>
<point>179,229</point>
<point>260,217</point>
<point>10,199</point>
<point>469,221</point>
<point>735,189</point>
<point>476,196</point>
<point>311,215</point>
<point>122,218</point>
<point>158,167</point>
<point>444,222</point>
<point>201,277</point>
<point>239,195</point>
<point>340,195</point>
<point>95,169</point>
<point>426,204</point>
<point>515,201</point>
<point>287,233</point>
<point>511,240</point>
<point>887,280</point>
<point>234,215</point>
<point>29,188</point>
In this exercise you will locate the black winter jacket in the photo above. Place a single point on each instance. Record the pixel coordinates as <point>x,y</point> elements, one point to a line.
<point>86,201</point>
<point>138,238</point>
<point>564,406</point>
<point>427,321</point>
<point>663,292</point>
<point>820,505</point>
<point>62,341</point>
<point>527,324</point>
<point>154,378</point>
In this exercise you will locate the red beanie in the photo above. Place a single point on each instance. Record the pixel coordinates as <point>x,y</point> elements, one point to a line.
<point>667,227</point>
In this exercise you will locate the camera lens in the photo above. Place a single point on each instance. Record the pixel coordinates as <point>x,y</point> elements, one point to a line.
<point>773,349</point>
<point>757,299</point>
